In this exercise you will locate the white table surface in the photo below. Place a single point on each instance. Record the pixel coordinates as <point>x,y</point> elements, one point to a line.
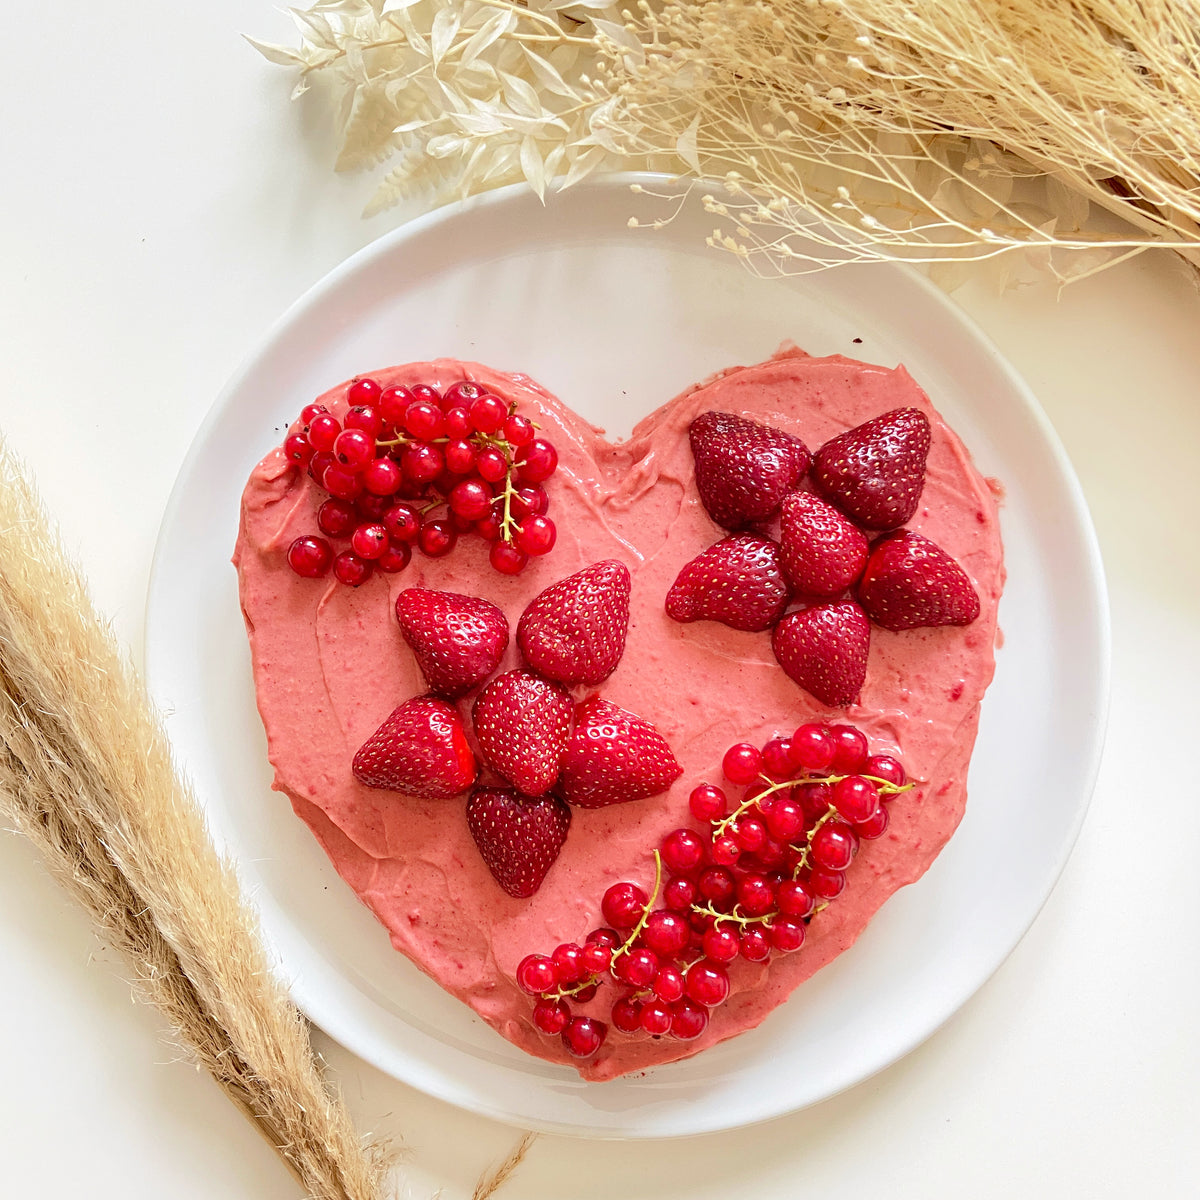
<point>162,203</point>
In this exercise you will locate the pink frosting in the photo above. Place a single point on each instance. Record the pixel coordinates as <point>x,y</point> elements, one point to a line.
<point>330,665</point>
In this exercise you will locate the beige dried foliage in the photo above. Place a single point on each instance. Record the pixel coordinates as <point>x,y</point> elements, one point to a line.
<point>921,130</point>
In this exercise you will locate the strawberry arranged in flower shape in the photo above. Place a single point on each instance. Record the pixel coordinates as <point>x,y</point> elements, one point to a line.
<point>522,723</point>
<point>910,581</point>
<point>614,757</point>
<point>823,552</point>
<point>824,649</point>
<point>738,582</point>
<point>743,469</point>
<point>875,472</point>
<point>518,836</point>
<point>421,749</point>
<point>574,631</point>
<point>458,640</point>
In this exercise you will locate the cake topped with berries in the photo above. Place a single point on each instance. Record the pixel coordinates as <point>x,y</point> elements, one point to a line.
<point>622,741</point>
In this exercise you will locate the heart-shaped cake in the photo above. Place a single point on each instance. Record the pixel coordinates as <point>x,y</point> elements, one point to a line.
<point>707,677</point>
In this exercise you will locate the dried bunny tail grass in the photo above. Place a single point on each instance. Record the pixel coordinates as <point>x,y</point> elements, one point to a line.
<point>86,773</point>
<point>848,129</point>
<point>493,1181</point>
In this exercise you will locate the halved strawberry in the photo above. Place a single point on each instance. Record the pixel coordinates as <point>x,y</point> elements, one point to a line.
<point>738,582</point>
<point>613,757</point>
<point>743,469</point>
<point>875,471</point>
<point>518,836</point>
<point>911,581</point>
<point>421,749</point>
<point>522,723</point>
<point>574,631</point>
<point>824,649</point>
<point>458,640</point>
<point>822,551</point>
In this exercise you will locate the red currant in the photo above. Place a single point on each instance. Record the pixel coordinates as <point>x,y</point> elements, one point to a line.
<point>363,391</point>
<point>668,983</point>
<point>309,413</point>
<point>832,846</point>
<point>366,418</point>
<point>421,462</point>
<point>437,538</point>
<point>812,748</point>
<point>742,763</point>
<point>656,1017</point>
<point>716,885</point>
<point>850,755</point>
<point>382,477</point>
<point>536,461</point>
<point>874,827</point>
<point>707,984</point>
<point>424,420</point>
<point>458,424</point>
<point>403,522</point>
<point>825,884</point>
<point>682,851</point>
<point>460,457</point>
<point>637,967</point>
<point>298,449</point>
<point>583,1036</point>
<point>395,558</point>
<point>623,905</point>
<point>815,799</point>
<point>666,933</point>
<point>784,818</point>
<point>884,767</point>
<point>720,944</point>
<point>855,798</point>
<point>426,392</point>
<point>536,535</point>
<point>461,394</point>
<point>341,482</point>
<point>519,431</point>
<point>506,558</point>
<point>753,945</point>
<point>568,959</point>
<point>749,832</point>
<point>777,759</point>
<point>551,1016</point>
<point>310,557</point>
<point>369,541</point>
<point>680,894</point>
<point>688,1020</point>
<point>351,570</point>
<point>708,803</point>
<point>471,499</point>
<point>756,895</point>
<point>627,1015</point>
<point>489,529</point>
<point>319,464</point>
<point>793,899</point>
<point>785,933</point>
<point>337,518</point>
<point>529,502</point>
<point>595,957</point>
<point>491,465</point>
<point>323,431</point>
<point>487,413</point>
<point>537,973</point>
<point>725,851</point>
<point>393,404</point>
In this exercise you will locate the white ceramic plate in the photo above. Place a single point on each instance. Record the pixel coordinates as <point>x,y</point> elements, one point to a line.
<point>617,321</point>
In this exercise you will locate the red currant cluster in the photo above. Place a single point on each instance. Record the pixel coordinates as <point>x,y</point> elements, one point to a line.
<point>745,887</point>
<point>409,466</point>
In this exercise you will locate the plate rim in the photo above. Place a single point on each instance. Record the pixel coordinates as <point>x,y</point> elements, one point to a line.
<point>438,1084</point>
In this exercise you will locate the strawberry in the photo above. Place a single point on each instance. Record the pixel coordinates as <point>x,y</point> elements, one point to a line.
<point>911,581</point>
<point>574,631</point>
<point>518,836</point>
<point>458,640</point>
<point>738,582</point>
<point>522,723</point>
<point>875,471</point>
<point>421,749</point>
<point>824,649</point>
<point>614,757</point>
<point>743,469</point>
<point>822,552</point>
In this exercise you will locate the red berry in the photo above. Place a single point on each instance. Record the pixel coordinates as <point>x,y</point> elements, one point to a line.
<point>716,885</point>
<point>738,582</point>
<point>298,449</point>
<point>777,759</point>
<point>491,465</point>
<point>337,518</point>
<point>537,973</point>
<point>323,431</point>
<point>403,522</point>
<point>720,944</point>
<point>487,413</point>
<point>426,392</point>
<point>637,967</point>
<point>382,477</point>
<point>707,984</point>
<point>785,933</point>
<point>342,482</point>
<point>856,798</point>
<point>395,558</point>
<point>656,1018</point>
<point>350,569</point>
<point>363,391</point>
<point>595,957</point>
<point>749,832</point>
<point>460,395</point>
<point>437,538</point>
<point>666,933</point>
<point>741,763</point>
<point>753,945</point>
<point>393,403</point>
<point>529,502</point>
<point>536,535</point>
<point>421,462</point>
<point>309,413</point>
<point>372,507</point>
<point>708,803</point>
<point>627,1015</point>
<point>458,424</point>
<point>460,457</point>
<point>756,895</point>
<point>369,541</point>
<point>310,557</point>
<point>623,905</point>
<point>668,983</point>
<point>873,827</point>
<point>688,1020</point>
<point>506,558</point>
<point>680,894</point>
<point>682,851</point>
<point>832,846</point>
<point>884,767</point>
<point>551,1016</point>
<point>366,418</point>
<point>603,937</point>
<point>568,960</point>
<point>813,747</point>
<point>784,818</point>
<point>725,851</point>
<point>319,464</point>
<point>424,420</point>
<point>536,461</point>
<point>583,1036</point>
<point>518,431</point>
<point>850,753</point>
<point>825,884</point>
<point>489,528</point>
<point>471,499</point>
<point>824,649</point>
<point>815,799</point>
<point>793,899</point>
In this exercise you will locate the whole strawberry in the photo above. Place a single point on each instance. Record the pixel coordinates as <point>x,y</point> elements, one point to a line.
<point>518,836</point>
<point>421,749</point>
<point>743,469</point>
<point>574,631</point>
<point>614,757</point>
<point>822,552</point>
<point>875,472</point>
<point>522,723</point>
<point>824,649</point>
<point>458,640</point>
<point>911,581</point>
<point>738,582</point>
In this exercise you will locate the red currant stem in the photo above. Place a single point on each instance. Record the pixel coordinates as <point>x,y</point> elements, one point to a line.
<point>825,817</point>
<point>707,910</point>
<point>627,944</point>
<point>562,993</point>
<point>507,524</point>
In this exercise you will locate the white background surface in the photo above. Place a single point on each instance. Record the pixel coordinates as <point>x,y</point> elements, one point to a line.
<point>161,204</point>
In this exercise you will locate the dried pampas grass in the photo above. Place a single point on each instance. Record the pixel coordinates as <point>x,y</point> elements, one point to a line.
<point>921,130</point>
